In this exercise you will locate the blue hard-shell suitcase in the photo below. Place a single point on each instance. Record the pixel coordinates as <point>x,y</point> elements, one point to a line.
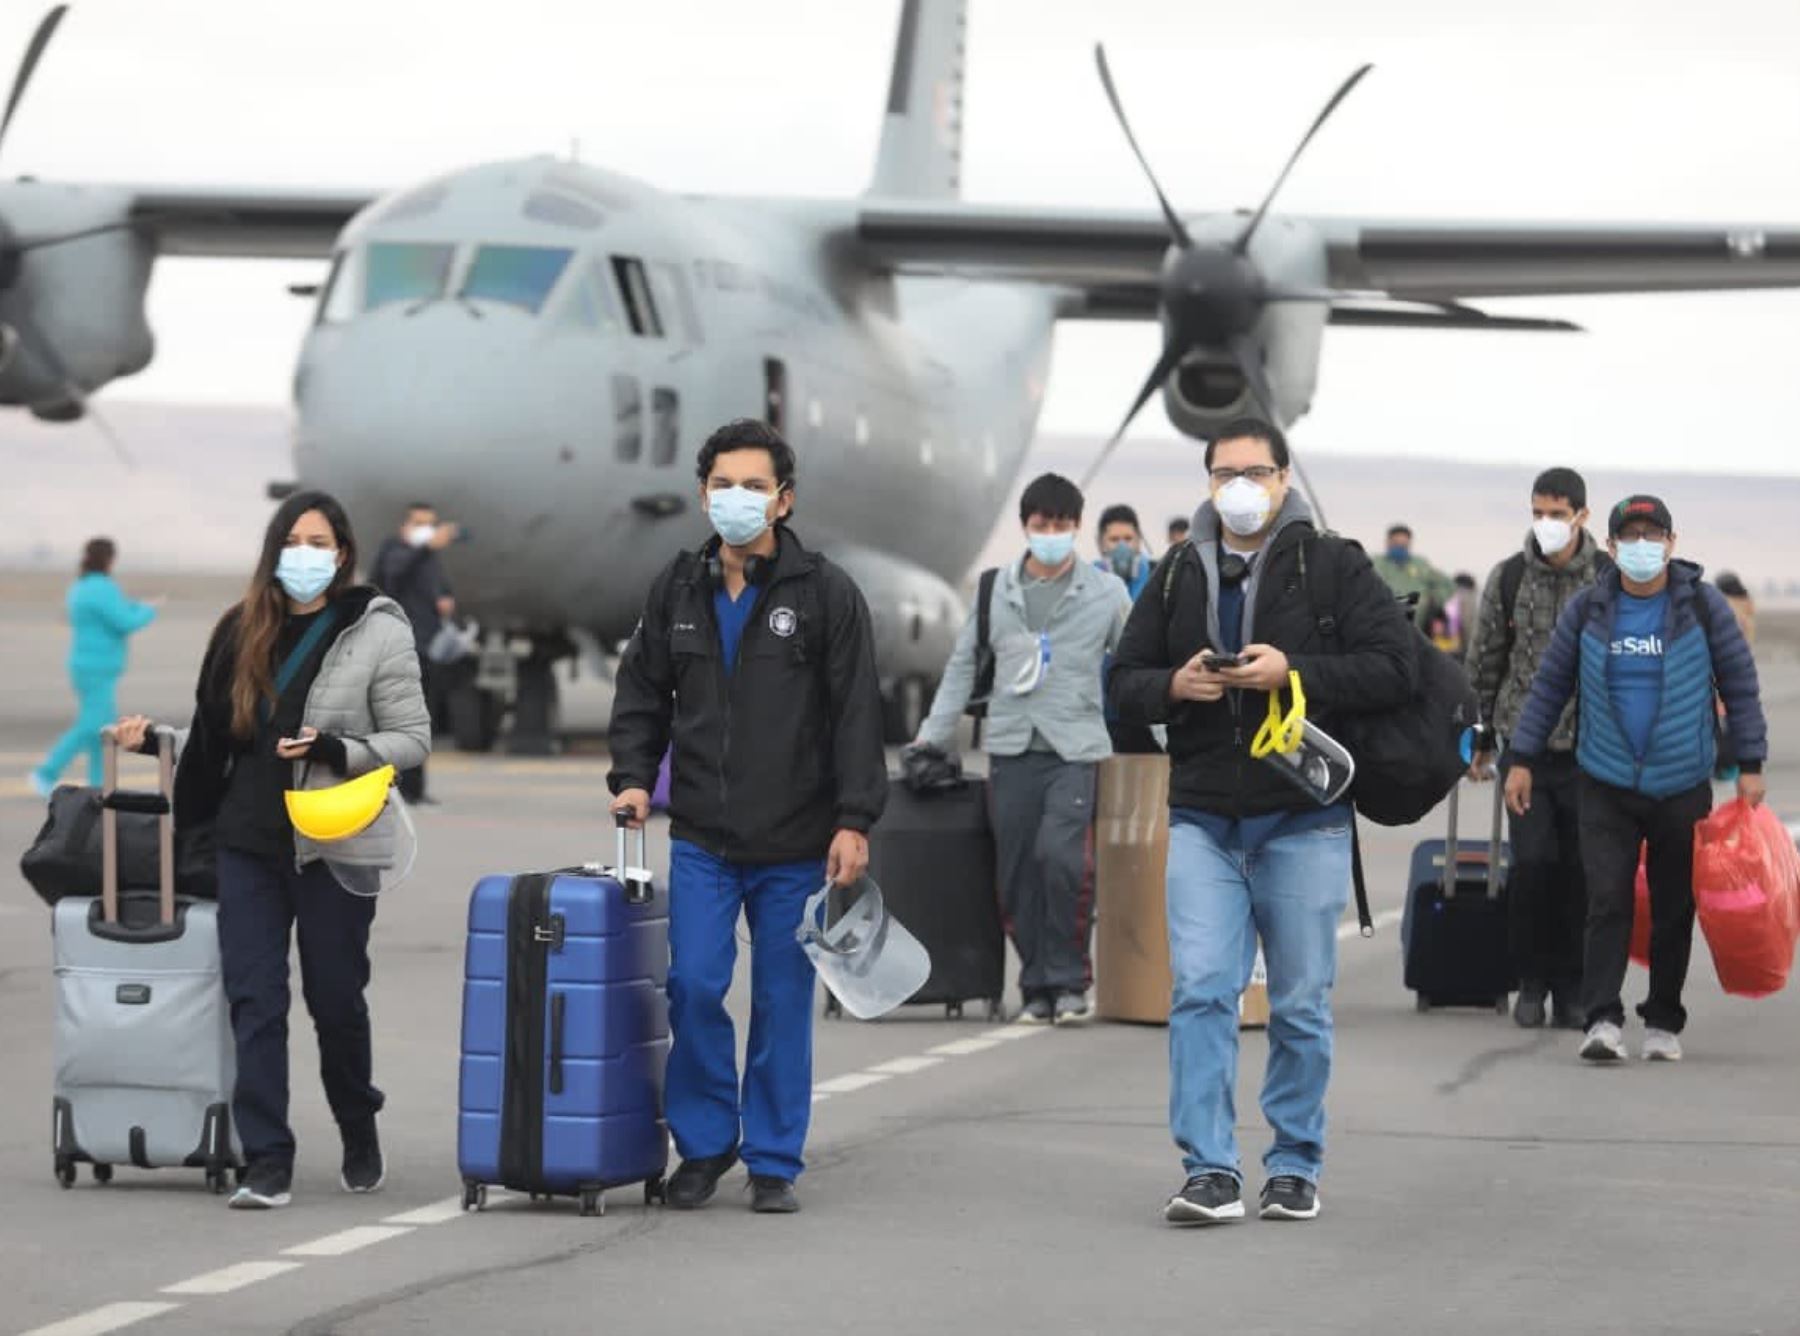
<point>1453,932</point>
<point>565,1033</point>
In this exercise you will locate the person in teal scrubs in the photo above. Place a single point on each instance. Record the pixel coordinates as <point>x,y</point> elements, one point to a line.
<point>103,620</point>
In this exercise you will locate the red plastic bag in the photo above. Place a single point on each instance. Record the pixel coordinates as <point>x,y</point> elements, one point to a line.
<point>1747,892</point>
<point>1640,914</point>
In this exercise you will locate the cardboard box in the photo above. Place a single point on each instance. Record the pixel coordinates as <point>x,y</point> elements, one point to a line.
<point>1132,980</point>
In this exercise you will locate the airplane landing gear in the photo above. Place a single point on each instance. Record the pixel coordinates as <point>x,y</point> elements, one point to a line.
<point>534,712</point>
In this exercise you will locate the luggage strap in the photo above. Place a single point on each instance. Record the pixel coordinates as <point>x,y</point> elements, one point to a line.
<point>1364,920</point>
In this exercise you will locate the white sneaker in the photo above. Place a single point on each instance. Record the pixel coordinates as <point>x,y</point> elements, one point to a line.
<point>1605,1042</point>
<point>1661,1046</point>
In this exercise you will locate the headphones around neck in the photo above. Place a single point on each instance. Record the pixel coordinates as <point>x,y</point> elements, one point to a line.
<point>1232,568</point>
<point>758,570</point>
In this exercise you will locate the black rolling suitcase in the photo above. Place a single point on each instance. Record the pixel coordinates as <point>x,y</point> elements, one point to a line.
<point>1454,931</point>
<point>933,857</point>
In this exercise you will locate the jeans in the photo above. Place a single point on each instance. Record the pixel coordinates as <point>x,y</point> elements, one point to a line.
<point>1546,889</point>
<point>96,707</point>
<point>260,901</point>
<point>1291,892</point>
<point>700,1092</point>
<point>1614,823</point>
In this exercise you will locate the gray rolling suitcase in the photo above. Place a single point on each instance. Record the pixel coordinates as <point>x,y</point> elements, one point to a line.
<point>144,1056</point>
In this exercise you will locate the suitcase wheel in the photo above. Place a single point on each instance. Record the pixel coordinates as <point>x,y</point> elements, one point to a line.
<point>474,1197</point>
<point>103,1173</point>
<point>65,1171</point>
<point>217,1180</point>
<point>996,1009</point>
<point>1421,1002</point>
<point>953,1011</point>
<point>1500,1005</point>
<point>656,1192</point>
<point>593,1201</point>
<point>834,1010</point>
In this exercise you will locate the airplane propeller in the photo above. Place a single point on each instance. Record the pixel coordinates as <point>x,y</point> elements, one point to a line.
<point>1212,293</point>
<point>23,335</point>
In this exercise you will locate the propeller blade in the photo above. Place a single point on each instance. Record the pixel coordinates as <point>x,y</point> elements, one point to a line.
<point>1176,226</point>
<point>1248,354</point>
<point>1325,295</point>
<point>1164,368</point>
<point>40,348</point>
<point>1243,241</point>
<point>34,52</point>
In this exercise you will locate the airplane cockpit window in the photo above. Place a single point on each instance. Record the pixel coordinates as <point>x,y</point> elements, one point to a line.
<point>546,206</point>
<point>628,418</point>
<point>640,306</point>
<point>590,303</point>
<point>665,417</point>
<point>520,276</point>
<point>404,271</point>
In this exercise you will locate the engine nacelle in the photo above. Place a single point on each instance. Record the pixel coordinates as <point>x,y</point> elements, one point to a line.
<point>75,308</point>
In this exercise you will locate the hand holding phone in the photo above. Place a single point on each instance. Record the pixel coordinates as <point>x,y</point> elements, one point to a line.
<point>1215,660</point>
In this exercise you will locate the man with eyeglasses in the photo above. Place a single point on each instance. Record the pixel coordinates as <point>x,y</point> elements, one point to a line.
<point>1254,598</point>
<point>1546,894</point>
<point>1052,619</point>
<point>1644,647</point>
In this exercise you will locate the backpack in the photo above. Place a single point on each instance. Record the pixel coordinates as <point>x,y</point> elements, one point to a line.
<point>1410,756</point>
<point>985,663</point>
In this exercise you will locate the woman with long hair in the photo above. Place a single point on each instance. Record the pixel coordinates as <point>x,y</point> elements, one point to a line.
<point>103,620</point>
<point>309,680</point>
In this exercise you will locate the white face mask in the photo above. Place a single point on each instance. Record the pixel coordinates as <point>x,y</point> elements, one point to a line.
<point>1243,506</point>
<point>1552,535</point>
<point>421,534</point>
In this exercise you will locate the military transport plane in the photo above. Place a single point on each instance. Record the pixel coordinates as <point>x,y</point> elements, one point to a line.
<point>539,345</point>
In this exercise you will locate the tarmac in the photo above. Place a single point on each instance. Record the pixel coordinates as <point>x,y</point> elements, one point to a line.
<point>964,1177</point>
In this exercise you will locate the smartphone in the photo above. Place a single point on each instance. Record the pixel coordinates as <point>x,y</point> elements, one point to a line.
<point>1216,661</point>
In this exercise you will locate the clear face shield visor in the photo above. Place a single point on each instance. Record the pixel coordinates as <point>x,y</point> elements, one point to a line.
<point>865,957</point>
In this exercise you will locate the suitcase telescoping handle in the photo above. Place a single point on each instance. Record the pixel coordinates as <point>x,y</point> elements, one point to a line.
<point>1494,834</point>
<point>160,804</point>
<point>633,876</point>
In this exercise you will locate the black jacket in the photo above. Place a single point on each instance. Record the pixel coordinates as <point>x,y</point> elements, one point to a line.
<point>1365,663</point>
<point>771,761</point>
<point>414,578</point>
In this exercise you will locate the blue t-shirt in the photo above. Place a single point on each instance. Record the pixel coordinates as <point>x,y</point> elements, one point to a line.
<point>1231,614</point>
<point>733,616</point>
<point>1635,665</point>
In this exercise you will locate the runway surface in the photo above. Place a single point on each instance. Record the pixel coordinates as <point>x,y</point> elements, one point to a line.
<point>964,1177</point>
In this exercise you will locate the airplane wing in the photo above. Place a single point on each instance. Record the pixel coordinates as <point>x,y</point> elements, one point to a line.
<point>245,223</point>
<point>1110,262</point>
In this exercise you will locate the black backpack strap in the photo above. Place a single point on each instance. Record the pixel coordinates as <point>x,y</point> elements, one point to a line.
<point>1364,920</point>
<point>984,611</point>
<point>1512,576</point>
<point>1318,577</point>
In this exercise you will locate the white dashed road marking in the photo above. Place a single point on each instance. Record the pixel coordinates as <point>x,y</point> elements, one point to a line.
<point>346,1241</point>
<point>961,1048</point>
<point>99,1321</point>
<point>451,1208</point>
<point>843,1085</point>
<point>904,1066</point>
<point>227,1279</point>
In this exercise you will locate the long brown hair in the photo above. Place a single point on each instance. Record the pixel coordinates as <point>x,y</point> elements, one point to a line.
<point>264,608</point>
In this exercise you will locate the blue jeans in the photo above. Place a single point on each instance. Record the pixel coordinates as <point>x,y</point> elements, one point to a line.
<point>95,691</point>
<point>700,1092</point>
<point>1290,891</point>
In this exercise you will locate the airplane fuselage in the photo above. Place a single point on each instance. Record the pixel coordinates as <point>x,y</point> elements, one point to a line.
<point>538,349</point>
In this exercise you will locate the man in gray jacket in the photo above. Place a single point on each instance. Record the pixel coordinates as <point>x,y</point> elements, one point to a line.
<point>1052,621</point>
<point>1525,594</point>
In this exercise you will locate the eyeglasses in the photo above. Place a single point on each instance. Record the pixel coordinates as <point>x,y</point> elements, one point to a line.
<point>1257,473</point>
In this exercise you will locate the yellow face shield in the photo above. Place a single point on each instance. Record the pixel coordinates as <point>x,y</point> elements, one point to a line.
<point>342,811</point>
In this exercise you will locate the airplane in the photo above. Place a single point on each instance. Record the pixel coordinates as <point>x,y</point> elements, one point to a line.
<point>539,345</point>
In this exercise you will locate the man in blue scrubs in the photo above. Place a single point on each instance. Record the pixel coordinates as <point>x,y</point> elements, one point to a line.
<point>756,661</point>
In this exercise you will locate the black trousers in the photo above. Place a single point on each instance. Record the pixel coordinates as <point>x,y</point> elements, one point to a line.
<point>1546,888</point>
<point>1614,823</point>
<point>262,900</point>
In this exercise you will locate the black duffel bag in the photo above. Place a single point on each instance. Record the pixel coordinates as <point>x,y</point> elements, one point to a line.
<point>64,859</point>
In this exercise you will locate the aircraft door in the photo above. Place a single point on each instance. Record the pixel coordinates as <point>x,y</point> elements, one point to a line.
<point>775,393</point>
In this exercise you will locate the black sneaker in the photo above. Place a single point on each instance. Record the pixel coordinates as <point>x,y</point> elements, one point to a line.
<point>693,1184</point>
<point>1289,1197</point>
<point>1528,1010</point>
<point>772,1196</point>
<point>364,1168</point>
<point>266,1185</point>
<point>1206,1200</point>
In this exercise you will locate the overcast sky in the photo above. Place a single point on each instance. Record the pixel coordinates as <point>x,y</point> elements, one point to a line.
<point>1652,110</point>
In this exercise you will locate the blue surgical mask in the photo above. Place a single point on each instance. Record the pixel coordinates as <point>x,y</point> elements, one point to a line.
<point>1123,559</point>
<point>1051,549</point>
<point>1642,559</point>
<point>739,514</point>
<point>306,572</point>
<point>1399,555</point>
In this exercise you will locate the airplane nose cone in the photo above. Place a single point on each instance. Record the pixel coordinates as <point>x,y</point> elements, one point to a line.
<point>483,415</point>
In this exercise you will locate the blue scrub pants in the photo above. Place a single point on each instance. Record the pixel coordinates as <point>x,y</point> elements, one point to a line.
<point>701,1094</point>
<point>96,692</point>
